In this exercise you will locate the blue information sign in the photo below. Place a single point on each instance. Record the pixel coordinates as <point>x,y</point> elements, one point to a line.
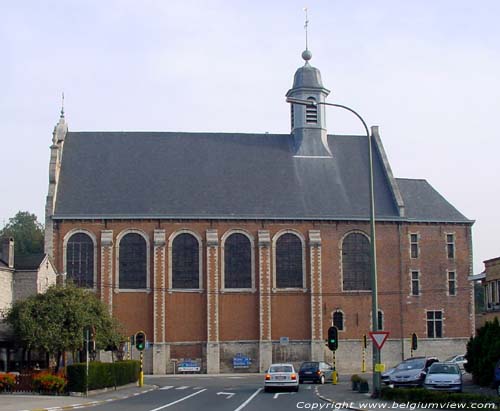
<point>240,361</point>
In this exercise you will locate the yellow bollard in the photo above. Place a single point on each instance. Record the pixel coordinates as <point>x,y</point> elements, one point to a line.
<point>335,378</point>
<point>141,373</point>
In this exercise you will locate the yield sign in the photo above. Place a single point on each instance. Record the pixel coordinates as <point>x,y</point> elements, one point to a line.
<point>379,338</point>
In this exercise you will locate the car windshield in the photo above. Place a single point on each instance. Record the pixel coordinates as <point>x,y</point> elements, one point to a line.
<point>411,365</point>
<point>309,365</point>
<point>444,369</point>
<point>280,368</point>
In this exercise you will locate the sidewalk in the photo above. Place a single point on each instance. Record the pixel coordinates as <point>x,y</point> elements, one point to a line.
<point>18,402</point>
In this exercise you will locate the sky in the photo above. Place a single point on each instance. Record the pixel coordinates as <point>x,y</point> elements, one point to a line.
<point>426,72</point>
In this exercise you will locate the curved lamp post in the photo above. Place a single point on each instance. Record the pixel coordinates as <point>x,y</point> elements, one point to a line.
<point>373,253</point>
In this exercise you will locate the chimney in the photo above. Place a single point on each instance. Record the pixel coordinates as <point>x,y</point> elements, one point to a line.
<point>8,251</point>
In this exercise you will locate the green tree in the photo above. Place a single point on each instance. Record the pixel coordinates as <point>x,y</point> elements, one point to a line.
<point>27,233</point>
<point>54,321</point>
<point>483,351</point>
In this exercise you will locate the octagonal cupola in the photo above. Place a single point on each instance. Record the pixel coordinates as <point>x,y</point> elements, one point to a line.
<point>308,123</point>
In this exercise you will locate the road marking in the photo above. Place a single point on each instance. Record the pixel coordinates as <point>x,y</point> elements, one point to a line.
<point>246,402</point>
<point>229,394</point>
<point>179,400</point>
<point>197,388</point>
<point>184,387</point>
<point>281,393</point>
<point>167,387</point>
<point>235,378</point>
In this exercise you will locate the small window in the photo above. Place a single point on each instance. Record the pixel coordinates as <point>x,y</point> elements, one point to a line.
<point>450,245</point>
<point>338,320</point>
<point>415,283</point>
<point>312,111</point>
<point>414,245</point>
<point>434,324</point>
<point>452,283</point>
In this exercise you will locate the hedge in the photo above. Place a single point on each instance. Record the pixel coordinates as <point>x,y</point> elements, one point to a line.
<point>101,374</point>
<point>426,396</point>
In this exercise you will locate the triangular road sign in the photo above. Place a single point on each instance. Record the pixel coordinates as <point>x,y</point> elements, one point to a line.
<point>379,338</point>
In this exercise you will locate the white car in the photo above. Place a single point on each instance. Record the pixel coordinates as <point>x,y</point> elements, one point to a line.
<point>281,376</point>
<point>457,359</point>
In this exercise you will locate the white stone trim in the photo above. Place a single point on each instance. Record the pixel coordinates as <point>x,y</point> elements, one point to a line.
<point>119,238</point>
<point>107,243</point>
<point>212,294</point>
<point>171,239</point>
<point>454,234</point>
<point>383,320</point>
<point>418,245</point>
<point>264,240</point>
<point>454,271</point>
<point>316,283</point>
<point>92,236</point>
<point>304,271</point>
<point>341,271</point>
<point>250,237</point>
<point>339,310</point>
<point>442,324</point>
<point>411,271</point>
<point>159,244</point>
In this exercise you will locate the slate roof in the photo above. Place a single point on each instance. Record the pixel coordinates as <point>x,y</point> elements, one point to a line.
<point>28,262</point>
<point>229,176</point>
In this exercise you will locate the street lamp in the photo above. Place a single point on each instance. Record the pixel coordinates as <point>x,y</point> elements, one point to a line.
<point>373,249</point>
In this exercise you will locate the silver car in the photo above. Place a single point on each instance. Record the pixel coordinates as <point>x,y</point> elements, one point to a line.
<point>444,376</point>
<point>281,376</point>
<point>457,359</point>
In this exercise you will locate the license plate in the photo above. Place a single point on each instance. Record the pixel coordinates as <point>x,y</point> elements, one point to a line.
<point>280,377</point>
<point>308,372</point>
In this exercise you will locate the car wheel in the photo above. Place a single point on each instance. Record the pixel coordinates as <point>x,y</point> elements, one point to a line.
<point>322,380</point>
<point>296,389</point>
<point>266,389</point>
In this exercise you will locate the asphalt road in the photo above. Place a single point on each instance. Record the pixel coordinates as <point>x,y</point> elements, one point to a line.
<point>221,393</point>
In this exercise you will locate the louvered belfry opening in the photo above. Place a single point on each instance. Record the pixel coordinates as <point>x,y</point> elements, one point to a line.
<point>312,111</point>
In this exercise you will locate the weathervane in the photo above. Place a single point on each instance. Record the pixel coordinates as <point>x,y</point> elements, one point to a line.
<point>306,24</point>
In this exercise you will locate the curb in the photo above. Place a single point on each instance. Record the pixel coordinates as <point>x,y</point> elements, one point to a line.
<point>93,403</point>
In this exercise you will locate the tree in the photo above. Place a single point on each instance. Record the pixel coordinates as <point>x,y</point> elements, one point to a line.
<point>27,232</point>
<point>54,321</point>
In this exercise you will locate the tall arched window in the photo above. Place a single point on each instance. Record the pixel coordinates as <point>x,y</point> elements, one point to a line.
<point>80,260</point>
<point>289,264</point>
<point>338,320</point>
<point>185,262</point>
<point>237,261</point>
<point>356,263</point>
<point>133,262</point>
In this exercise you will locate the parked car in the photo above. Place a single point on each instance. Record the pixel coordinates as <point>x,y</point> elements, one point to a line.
<point>411,373</point>
<point>315,371</point>
<point>281,376</point>
<point>385,376</point>
<point>496,377</point>
<point>444,376</point>
<point>458,359</point>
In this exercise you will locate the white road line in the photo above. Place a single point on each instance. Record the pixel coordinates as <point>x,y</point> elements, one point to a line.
<point>179,400</point>
<point>246,402</point>
<point>167,387</point>
<point>184,387</point>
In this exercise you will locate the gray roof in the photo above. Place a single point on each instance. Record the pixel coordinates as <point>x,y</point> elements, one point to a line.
<point>230,176</point>
<point>28,262</point>
<point>307,76</point>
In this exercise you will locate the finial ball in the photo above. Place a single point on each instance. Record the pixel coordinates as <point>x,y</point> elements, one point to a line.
<point>307,55</point>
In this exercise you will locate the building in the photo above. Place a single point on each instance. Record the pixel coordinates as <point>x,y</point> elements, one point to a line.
<point>223,244</point>
<point>20,277</point>
<point>490,280</point>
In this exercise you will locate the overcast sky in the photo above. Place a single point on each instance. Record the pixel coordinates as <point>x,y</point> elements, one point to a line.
<point>427,72</point>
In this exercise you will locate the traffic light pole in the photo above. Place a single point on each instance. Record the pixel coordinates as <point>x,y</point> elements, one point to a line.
<point>87,341</point>
<point>141,373</point>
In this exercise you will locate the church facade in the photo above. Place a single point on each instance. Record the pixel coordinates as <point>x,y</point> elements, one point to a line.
<point>221,245</point>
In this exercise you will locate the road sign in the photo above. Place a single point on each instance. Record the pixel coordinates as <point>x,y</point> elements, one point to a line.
<point>240,361</point>
<point>284,341</point>
<point>379,338</point>
<point>379,367</point>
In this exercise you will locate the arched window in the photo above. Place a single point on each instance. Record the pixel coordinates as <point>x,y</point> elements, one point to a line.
<point>237,261</point>
<point>289,267</point>
<point>312,111</point>
<point>338,320</point>
<point>185,262</point>
<point>80,260</point>
<point>133,262</point>
<point>356,262</point>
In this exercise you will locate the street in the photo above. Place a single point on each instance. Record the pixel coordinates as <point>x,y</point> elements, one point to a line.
<point>224,393</point>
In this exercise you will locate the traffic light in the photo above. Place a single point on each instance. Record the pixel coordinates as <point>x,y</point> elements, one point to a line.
<point>414,341</point>
<point>140,340</point>
<point>333,338</point>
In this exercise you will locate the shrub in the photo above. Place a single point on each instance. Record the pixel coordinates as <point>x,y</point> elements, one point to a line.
<point>355,378</point>
<point>101,375</point>
<point>49,383</point>
<point>7,381</point>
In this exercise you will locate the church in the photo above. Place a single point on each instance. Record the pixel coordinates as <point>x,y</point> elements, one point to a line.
<point>231,245</point>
